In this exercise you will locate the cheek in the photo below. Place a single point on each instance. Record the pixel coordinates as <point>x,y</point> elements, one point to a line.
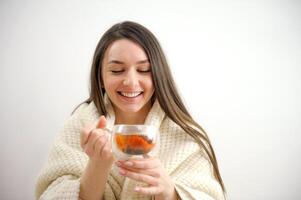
<point>110,83</point>
<point>149,83</point>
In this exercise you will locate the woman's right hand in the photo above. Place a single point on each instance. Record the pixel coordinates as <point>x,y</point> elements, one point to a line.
<point>95,142</point>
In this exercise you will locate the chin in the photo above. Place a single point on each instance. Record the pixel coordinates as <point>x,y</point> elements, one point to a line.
<point>133,109</point>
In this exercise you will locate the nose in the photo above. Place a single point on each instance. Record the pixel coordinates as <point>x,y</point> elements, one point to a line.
<point>131,78</point>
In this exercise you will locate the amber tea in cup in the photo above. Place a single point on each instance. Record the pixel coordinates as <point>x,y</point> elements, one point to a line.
<point>133,140</point>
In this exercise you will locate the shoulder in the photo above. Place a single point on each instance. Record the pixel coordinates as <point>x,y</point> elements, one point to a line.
<point>173,135</point>
<point>175,145</point>
<point>85,107</point>
<point>85,112</point>
<point>175,131</point>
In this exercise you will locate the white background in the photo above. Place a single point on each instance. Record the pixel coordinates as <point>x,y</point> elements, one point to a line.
<point>236,63</point>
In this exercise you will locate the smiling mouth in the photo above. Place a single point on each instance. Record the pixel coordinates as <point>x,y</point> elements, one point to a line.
<point>130,94</point>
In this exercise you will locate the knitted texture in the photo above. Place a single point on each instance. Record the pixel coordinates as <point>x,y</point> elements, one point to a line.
<point>180,155</point>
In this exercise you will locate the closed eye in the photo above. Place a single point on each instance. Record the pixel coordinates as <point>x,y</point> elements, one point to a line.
<point>144,71</point>
<point>116,71</point>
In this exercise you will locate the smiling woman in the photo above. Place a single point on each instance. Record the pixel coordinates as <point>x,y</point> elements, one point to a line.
<point>127,81</point>
<point>131,84</point>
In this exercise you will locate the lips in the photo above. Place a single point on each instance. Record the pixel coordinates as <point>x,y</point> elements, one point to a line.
<point>130,94</point>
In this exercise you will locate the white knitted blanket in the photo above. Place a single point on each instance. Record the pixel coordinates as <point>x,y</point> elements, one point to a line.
<point>180,155</point>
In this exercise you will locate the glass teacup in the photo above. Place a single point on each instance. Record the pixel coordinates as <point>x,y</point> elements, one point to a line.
<point>134,140</point>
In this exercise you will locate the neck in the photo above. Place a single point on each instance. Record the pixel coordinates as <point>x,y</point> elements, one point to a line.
<point>139,117</point>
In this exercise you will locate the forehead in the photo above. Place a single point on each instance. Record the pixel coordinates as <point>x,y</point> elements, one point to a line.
<point>125,50</point>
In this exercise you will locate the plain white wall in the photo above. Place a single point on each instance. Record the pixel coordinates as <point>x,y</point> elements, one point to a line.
<point>237,64</point>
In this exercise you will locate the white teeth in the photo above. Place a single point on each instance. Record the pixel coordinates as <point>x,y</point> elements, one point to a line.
<point>130,94</point>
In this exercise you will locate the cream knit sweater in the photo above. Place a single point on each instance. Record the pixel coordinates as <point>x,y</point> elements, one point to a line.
<point>182,158</point>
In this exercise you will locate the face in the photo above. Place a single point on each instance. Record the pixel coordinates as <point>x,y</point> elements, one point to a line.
<point>127,77</point>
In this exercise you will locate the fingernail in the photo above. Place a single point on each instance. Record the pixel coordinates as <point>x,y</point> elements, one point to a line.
<point>136,189</point>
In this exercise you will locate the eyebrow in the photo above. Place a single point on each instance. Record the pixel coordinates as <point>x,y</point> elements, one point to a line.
<point>120,62</point>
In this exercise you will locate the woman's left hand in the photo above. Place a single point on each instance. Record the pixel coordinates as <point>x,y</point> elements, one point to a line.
<point>150,171</point>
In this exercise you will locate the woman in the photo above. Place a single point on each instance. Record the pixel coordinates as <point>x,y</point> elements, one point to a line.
<point>130,84</point>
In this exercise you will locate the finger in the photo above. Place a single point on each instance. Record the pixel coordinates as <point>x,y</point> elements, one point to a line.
<point>100,144</point>
<point>101,122</point>
<point>84,135</point>
<point>147,163</point>
<point>89,147</point>
<point>152,190</point>
<point>107,150</point>
<point>139,177</point>
<point>151,172</point>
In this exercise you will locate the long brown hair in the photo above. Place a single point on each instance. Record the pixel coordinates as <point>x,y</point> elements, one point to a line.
<point>165,89</point>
